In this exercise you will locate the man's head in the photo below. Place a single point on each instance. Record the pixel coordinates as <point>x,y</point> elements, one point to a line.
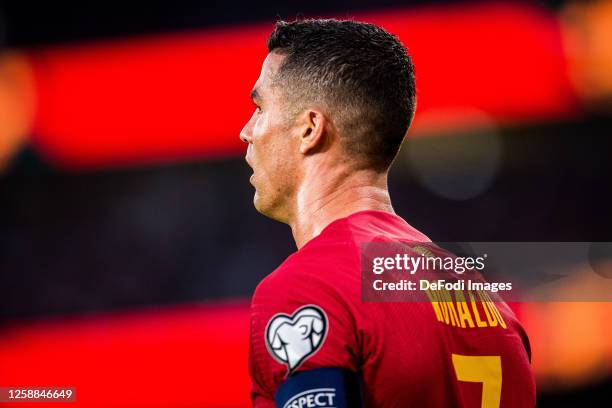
<point>343,89</point>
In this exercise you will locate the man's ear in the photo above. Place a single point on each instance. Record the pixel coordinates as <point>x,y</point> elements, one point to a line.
<point>314,131</point>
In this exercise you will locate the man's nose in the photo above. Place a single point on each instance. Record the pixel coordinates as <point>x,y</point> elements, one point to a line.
<point>245,134</point>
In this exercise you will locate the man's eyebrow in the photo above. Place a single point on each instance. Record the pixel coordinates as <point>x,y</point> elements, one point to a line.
<point>255,95</point>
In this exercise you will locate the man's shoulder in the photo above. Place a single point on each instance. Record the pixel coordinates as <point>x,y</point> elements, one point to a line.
<point>333,257</point>
<point>326,264</point>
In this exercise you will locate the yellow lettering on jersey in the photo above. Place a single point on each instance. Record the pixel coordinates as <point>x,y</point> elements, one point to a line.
<point>491,317</point>
<point>462,308</point>
<point>451,308</point>
<point>493,308</point>
<point>479,321</point>
<point>443,307</point>
<point>433,298</point>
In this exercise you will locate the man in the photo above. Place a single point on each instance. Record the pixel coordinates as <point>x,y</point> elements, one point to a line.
<point>334,101</point>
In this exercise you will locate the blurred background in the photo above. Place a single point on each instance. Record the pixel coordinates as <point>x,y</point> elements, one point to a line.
<point>129,247</point>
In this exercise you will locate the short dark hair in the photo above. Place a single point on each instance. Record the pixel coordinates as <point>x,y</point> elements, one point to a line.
<point>360,72</point>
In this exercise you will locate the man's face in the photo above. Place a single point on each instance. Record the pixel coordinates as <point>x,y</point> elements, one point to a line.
<point>273,150</point>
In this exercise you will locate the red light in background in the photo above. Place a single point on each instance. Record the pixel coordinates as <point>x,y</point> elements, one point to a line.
<point>186,95</point>
<point>180,357</point>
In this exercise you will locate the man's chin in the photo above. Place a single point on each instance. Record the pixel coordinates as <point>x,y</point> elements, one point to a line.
<point>259,204</point>
<point>264,208</point>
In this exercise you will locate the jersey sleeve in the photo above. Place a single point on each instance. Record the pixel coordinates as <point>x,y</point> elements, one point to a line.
<point>299,321</point>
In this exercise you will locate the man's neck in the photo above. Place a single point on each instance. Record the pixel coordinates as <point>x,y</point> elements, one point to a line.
<point>322,200</point>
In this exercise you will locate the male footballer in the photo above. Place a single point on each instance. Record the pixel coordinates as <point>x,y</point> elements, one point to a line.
<point>334,101</point>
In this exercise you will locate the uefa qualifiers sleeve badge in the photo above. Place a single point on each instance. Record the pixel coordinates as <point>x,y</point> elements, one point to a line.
<point>293,339</point>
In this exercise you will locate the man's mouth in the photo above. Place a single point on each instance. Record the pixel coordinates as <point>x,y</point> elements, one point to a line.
<point>246,158</point>
<point>253,174</point>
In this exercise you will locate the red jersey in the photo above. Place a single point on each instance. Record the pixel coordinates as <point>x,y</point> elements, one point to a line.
<point>309,314</point>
